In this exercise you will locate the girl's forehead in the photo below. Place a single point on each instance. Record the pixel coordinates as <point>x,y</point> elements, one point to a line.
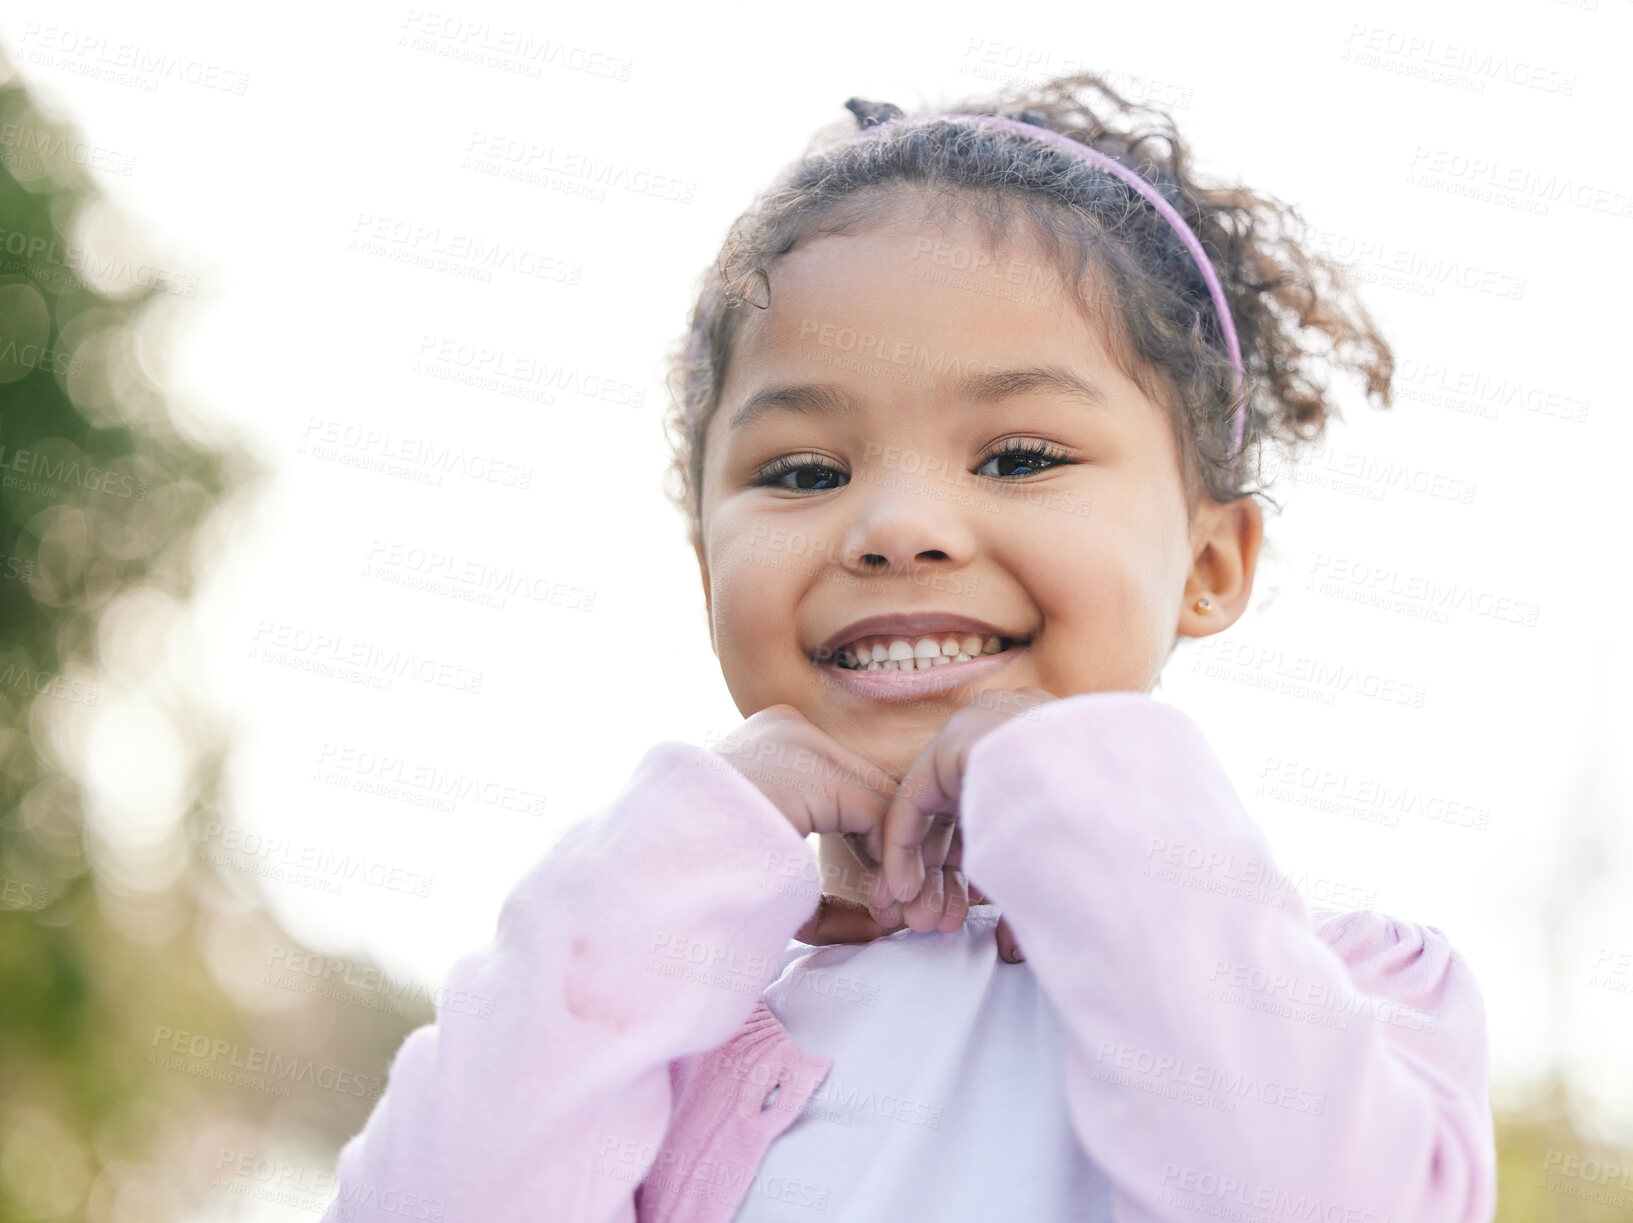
<point>913,296</point>
<point>936,244</point>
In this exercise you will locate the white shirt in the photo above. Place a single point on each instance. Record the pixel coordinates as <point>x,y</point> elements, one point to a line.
<point>946,1099</point>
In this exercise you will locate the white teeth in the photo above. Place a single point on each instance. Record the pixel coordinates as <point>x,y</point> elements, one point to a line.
<point>916,654</point>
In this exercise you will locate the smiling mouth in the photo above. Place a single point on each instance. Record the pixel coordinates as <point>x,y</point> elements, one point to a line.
<point>899,653</point>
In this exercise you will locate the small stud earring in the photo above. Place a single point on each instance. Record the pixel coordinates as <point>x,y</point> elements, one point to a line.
<point>1203,605</point>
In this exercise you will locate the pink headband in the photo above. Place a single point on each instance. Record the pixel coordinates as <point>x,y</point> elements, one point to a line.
<point>1096,158</point>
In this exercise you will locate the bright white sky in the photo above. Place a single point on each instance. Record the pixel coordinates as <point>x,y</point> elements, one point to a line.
<point>259,195</point>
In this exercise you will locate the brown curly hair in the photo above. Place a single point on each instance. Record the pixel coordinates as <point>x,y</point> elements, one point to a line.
<point>1296,315</point>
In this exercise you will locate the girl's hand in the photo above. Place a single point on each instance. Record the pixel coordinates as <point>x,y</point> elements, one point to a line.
<point>919,837</point>
<point>823,787</point>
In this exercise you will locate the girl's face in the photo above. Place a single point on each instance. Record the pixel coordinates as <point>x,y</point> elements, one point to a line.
<point>872,480</point>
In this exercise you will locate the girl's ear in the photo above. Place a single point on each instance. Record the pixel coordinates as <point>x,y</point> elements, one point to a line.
<point>708,605</point>
<point>1229,535</point>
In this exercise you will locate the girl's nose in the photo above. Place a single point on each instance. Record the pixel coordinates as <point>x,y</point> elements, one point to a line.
<point>878,559</point>
<point>902,531</point>
<point>905,547</point>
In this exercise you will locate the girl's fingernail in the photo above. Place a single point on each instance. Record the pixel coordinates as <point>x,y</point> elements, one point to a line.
<point>1015,956</point>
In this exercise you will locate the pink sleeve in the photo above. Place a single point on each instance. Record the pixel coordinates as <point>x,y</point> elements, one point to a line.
<point>645,934</point>
<point>1226,1056</point>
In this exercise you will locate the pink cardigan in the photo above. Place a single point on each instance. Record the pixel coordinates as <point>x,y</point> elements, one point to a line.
<point>618,1063</point>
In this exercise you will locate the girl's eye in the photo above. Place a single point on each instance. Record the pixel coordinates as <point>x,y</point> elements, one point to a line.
<point>1023,459</point>
<point>810,472</point>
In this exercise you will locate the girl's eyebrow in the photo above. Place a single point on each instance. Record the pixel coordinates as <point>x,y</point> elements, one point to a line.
<point>991,386</point>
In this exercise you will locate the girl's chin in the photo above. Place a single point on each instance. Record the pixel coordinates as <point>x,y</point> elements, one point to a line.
<point>891,754</point>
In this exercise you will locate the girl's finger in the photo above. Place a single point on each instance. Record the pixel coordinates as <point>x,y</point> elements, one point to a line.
<point>953,859</point>
<point>942,853</point>
<point>953,878</point>
<point>957,908</point>
<point>927,910</point>
<point>850,803</point>
<point>938,841</point>
<point>887,913</point>
<point>927,789</point>
<point>858,875</point>
<point>1008,948</point>
<point>891,917</point>
<point>852,807</point>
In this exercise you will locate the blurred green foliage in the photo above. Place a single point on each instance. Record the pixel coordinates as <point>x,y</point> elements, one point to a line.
<point>103,949</point>
<point>1548,1171</point>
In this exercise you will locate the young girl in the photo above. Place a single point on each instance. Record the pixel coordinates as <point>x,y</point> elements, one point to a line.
<point>964,429</point>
